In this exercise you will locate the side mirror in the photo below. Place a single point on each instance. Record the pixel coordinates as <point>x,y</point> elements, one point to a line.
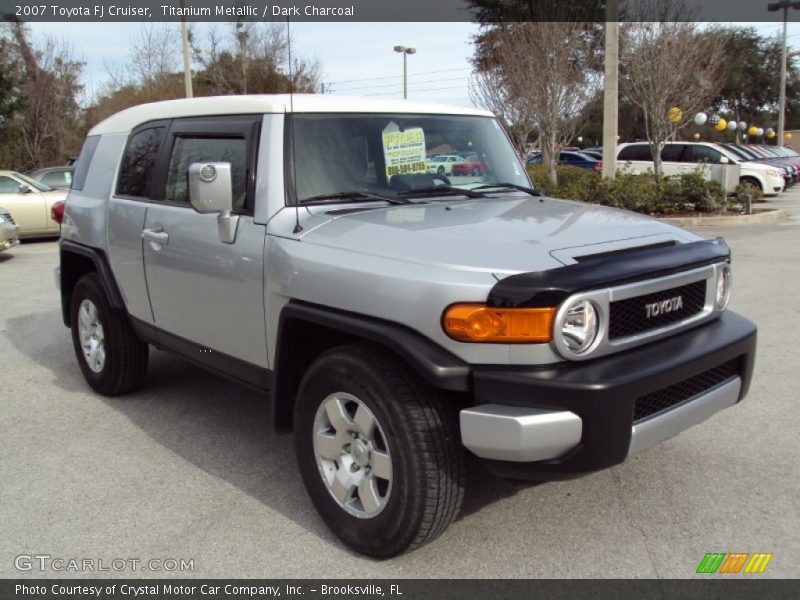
<point>211,187</point>
<point>723,160</point>
<point>211,191</point>
<point>23,189</point>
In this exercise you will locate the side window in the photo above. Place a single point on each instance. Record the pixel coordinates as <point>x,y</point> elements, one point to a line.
<point>8,185</point>
<point>188,150</point>
<point>635,152</point>
<point>705,154</point>
<point>56,178</point>
<point>138,163</point>
<point>676,153</point>
<point>84,160</point>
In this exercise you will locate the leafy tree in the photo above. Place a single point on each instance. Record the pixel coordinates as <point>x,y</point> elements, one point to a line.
<point>43,120</point>
<point>250,59</point>
<point>666,66</point>
<point>751,77</point>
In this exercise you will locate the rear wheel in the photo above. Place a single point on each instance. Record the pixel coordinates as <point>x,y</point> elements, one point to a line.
<point>112,358</point>
<point>440,171</point>
<point>378,451</point>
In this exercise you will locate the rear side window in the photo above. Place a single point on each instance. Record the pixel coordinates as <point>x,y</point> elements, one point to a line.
<point>676,153</point>
<point>705,154</point>
<point>188,150</point>
<point>57,178</point>
<point>636,152</point>
<point>139,162</point>
<point>84,160</point>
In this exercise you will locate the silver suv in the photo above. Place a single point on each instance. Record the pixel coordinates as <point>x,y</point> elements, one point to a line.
<point>397,320</point>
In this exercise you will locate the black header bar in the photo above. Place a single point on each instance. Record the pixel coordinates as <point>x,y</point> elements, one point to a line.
<point>388,10</point>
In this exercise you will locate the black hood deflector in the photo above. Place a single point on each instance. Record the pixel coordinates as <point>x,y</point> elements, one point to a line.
<point>549,288</point>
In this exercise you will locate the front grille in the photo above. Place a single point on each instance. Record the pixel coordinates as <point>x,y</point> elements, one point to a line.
<point>662,400</point>
<point>8,218</point>
<point>629,317</point>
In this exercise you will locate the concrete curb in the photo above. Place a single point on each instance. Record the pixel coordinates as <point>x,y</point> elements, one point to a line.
<point>764,215</point>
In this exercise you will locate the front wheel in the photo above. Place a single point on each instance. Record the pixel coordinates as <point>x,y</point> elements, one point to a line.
<point>378,451</point>
<point>752,186</point>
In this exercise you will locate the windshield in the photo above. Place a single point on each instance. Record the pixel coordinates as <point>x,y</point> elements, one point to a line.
<point>745,154</point>
<point>389,154</point>
<point>33,183</point>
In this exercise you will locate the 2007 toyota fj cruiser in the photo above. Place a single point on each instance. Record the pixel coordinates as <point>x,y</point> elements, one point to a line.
<point>395,317</point>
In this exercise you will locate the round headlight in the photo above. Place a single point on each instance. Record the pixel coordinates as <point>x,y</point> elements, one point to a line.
<point>579,326</point>
<point>724,280</point>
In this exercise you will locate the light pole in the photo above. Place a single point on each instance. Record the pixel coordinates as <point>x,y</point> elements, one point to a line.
<point>784,5</point>
<point>187,72</point>
<point>243,35</point>
<point>611,91</point>
<point>405,52</point>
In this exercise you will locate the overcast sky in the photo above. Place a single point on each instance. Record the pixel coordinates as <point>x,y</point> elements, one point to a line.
<point>357,58</point>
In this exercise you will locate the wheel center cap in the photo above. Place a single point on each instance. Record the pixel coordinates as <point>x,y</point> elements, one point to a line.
<point>359,451</point>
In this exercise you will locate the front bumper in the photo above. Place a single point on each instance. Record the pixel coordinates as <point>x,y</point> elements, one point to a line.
<point>9,235</point>
<point>560,421</point>
<point>774,185</point>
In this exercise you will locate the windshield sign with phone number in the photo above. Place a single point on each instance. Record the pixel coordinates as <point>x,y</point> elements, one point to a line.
<point>403,151</point>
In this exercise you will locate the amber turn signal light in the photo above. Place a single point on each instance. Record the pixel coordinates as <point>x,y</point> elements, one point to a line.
<point>481,323</point>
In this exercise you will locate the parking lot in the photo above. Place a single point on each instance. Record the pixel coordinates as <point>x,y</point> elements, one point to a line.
<point>187,468</point>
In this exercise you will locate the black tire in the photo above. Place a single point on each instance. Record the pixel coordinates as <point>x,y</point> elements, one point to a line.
<point>753,183</point>
<point>421,432</point>
<point>440,171</point>
<point>126,355</point>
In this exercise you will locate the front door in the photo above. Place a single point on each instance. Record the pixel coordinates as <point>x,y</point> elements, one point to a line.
<point>202,290</point>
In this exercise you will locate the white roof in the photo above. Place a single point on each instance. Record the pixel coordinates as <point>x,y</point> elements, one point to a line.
<point>128,119</point>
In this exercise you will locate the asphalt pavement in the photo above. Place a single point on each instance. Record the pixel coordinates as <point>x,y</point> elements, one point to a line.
<point>187,468</point>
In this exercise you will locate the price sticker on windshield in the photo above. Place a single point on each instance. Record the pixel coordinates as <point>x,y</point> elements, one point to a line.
<point>403,151</point>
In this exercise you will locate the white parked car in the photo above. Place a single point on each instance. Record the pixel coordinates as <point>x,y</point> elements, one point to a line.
<point>443,164</point>
<point>721,164</point>
<point>29,202</point>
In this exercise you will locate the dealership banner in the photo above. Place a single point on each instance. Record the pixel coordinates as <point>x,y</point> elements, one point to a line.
<point>400,589</point>
<point>388,10</point>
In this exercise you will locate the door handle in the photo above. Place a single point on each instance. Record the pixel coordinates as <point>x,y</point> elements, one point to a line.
<point>157,236</point>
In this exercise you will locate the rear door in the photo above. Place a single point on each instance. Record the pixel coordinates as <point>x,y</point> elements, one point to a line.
<point>676,159</point>
<point>202,290</point>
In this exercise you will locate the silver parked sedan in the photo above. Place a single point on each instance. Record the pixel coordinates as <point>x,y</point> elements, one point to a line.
<point>9,231</point>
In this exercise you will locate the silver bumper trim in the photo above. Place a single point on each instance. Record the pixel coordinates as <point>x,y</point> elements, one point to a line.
<point>696,410</point>
<point>516,433</point>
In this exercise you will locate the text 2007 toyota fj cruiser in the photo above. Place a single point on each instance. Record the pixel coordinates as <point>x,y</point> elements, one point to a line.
<point>395,315</point>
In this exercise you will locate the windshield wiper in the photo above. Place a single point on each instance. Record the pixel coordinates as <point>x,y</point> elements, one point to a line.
<point>352,196</point>
<point>513,186</point>
<point>435,189</point>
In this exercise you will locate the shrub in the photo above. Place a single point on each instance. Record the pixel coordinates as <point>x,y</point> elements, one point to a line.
<point>640,192</point>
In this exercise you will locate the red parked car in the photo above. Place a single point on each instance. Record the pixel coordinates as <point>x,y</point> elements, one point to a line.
<point>470,166</point>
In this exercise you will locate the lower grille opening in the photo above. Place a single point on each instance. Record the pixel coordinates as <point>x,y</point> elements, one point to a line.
<point>657,402</point>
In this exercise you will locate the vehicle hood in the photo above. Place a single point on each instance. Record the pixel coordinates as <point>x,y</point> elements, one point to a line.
<point>761,166</point>
<point>502,235</point>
